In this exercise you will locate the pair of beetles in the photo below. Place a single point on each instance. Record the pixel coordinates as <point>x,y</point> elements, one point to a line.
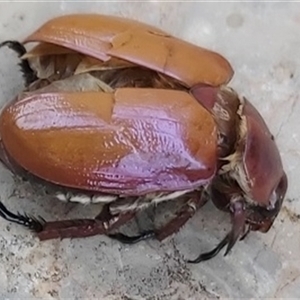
<point>122,113</point>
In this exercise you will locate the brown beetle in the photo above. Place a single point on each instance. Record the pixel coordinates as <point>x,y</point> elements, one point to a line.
<point>120,112</point>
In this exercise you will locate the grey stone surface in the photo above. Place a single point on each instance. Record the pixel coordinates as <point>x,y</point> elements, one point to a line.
<point>261,40</point>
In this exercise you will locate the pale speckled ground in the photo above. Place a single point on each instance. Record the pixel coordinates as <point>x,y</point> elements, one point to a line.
<point>262,42</point>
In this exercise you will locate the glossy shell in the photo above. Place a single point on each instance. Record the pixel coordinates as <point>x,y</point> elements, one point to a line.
<point>103,37</point>
<point>262,161</point>
<point>131,142</point>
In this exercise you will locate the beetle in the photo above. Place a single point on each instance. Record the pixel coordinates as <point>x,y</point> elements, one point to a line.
<point>120,112</point>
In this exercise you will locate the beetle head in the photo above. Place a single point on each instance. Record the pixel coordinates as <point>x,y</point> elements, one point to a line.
<point>262,217</point>
<point>251,182</point>
<point>257,169</point>
<point>226,193</point>
<point>250,166</point>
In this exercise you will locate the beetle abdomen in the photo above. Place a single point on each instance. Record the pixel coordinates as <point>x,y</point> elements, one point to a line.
<point>132,141</point>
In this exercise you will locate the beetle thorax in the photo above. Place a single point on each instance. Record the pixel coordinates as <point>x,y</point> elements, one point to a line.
<point>232,166</point>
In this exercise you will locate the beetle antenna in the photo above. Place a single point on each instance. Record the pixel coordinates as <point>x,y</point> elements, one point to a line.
<point>238,218</point>
<point>35,224</point>
<point>28,74</point>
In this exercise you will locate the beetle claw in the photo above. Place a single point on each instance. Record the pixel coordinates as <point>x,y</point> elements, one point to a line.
<point>28,74</point>
<point>15,46</point>
<point>35,224</point>
<point>238,226</point>
<point>229,240</point>
<point>210,254</point>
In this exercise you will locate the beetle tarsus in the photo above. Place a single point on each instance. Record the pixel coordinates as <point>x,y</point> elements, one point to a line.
<point>210,254</point>
<point>238,218</point>
<point>125,239</point>
<point>15,46</point>
<point>28,74</point>
<point>246,232</point>
<point>192,203</point>
<point>35,224</point>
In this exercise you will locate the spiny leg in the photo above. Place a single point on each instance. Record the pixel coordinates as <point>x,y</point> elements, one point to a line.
<point>193,202</point>
<point>70,229</point>
<point>45,230</point>
<point>238,218</point>
<point>76,228</point>
<point>28,74</point>
<point>35,224</point>
<point>79,228</point>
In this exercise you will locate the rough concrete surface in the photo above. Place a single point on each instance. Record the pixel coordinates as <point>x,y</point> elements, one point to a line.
<point>261,40</point>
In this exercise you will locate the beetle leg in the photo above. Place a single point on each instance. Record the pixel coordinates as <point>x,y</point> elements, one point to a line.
<point>111,221</point>
<point>28,74</point>
<point>27,221</point>
<point>70,229</point>
<point>126,239</point>
<point>188,210</point>
<point>238,218</point>
<point>79,228</point>
<point>105,214</point>
<point>245,233</point>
